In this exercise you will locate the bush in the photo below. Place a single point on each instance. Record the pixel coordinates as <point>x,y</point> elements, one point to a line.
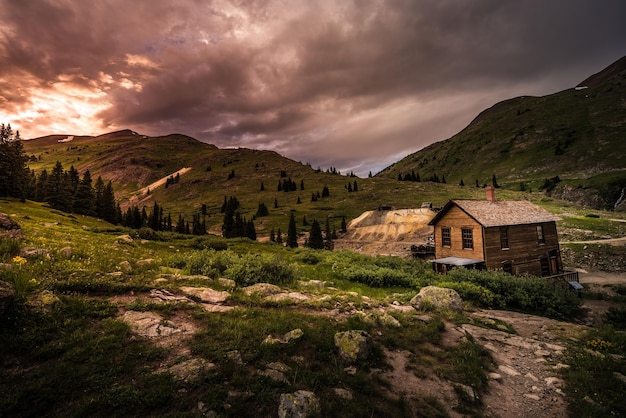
<point>528,294</point>
<point>376,276</point>
<point>262,268</point>
<point>210,262</point>
<point>212,243</point>
<point>149,234</point>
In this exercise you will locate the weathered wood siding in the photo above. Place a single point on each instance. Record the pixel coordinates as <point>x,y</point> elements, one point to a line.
<point>525,250</point>
<point>456,220</point>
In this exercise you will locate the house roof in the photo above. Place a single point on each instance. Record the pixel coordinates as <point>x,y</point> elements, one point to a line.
<point>499,213</point>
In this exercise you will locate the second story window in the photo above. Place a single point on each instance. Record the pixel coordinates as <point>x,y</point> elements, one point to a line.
<point>445,237</point>
<point>504,238</point>
<point>468,238</point>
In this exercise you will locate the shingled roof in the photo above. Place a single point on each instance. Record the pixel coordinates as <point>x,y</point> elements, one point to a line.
<point>499,213</point>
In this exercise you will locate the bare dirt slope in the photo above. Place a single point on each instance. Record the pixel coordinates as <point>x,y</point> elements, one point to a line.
<point>390,232</point>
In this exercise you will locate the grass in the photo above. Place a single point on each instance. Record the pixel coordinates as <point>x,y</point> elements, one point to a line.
<point>77,332</point>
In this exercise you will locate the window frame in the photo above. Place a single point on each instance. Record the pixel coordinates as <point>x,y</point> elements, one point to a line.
<point>541,234</point>
<point>446,239</point>
<point>505,244</point>
<point>467,242</point>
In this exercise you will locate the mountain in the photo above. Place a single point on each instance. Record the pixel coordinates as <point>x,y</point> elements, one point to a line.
<point>139,165</point>
<point>577,134</point>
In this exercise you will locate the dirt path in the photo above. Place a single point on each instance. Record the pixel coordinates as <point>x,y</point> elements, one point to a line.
<point>139,196</point>
<point>610,241</point>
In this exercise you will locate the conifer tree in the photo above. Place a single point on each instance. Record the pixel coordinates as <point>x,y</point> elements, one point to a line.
<point>279,237</point>
<point>344,225</point>
<point>292,233</point>
<point>355,187</point>
<point>85,198</point>
<point>14,174</point>
<point>250,230</point>
<point>328,239</point>
<point>315,241</point>
<point>494,182</point>
<point>272,236</point>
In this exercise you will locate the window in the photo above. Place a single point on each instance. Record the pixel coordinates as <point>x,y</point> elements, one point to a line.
<point>445,237</point>
<point>504,238</point>
<point>507,267</point>
<point>540,237</point>
<point>468,239</point>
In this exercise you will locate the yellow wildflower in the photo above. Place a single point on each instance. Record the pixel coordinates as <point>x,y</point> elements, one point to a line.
<point>19,260</point>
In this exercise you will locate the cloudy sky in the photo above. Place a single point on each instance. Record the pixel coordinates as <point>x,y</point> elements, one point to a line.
<point>356,85</point>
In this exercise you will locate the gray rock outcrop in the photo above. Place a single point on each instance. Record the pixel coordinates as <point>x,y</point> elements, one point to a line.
<point>300,404</point>
<point>353,345</point>
<point>437,298</point>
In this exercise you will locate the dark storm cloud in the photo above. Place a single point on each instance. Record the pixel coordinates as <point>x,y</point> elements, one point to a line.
<point>356,85</point>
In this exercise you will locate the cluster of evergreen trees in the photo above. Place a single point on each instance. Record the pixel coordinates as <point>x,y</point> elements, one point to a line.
<point>14,174</point>
<point>235,225</point>
<point>413,176</point>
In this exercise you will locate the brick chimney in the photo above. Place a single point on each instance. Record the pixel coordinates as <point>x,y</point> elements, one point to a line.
<point>491,193</point>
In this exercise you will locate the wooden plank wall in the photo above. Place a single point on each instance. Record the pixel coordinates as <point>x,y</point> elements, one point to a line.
<point>456,219</point>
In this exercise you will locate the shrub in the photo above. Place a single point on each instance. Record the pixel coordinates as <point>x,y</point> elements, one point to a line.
<point>262,268</point>
<point>210,262</point>
<point>149,234</point>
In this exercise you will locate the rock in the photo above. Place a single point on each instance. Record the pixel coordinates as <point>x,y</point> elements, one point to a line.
<point>9,228</point>
<point>532,396</point>
<point>234,356</point>
<point>189,370</point>
<point>261,289</point>
<point>531,376</point>
<point>343,393</point>
<point>274,375</point>
<point>206,295</point>
<point>495,376</point>
<point>292,335</point>
<point>351,370</point>
<point>388,320</point>
<point>125,267</point>
<point>151,325</point>
<point>125,240</point>
<point>7,295</point>
<point>227,283</point>
<point>436,298</point>
<point>312,283</point>
<point>166,296</point>
<point>542,353</point>
<point>279,367</point>
<point>43,301</point>
<point>66,252</point>
<point>353,345</point>
<point>553,381</point>
<point>31,252</point>
<point>508,370</point>
<point>287,296</point>
<point>145,262</point>
<point>300,404</point>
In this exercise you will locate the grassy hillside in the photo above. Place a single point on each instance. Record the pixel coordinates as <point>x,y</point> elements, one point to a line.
<point>577,134</point>
<point>132,162</point>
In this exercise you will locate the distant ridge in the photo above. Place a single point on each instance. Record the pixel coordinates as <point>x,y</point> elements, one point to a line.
<point>602,76</point>
<point>575,136</point>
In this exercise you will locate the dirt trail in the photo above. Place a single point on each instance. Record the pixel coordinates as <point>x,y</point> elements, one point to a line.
<point>142,194</point>
<point>609,241</point>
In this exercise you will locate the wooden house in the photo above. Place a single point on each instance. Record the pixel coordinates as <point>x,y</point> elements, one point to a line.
<point>515,236</point>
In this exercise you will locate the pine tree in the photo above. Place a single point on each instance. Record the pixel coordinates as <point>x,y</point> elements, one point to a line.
<point>14,174</point>
<point>301,184</point>
<point>85,198</point>
<point>250,230</point>
<point>316,241</point>
<point>109,209</point>
<point>328,239</point>
<point>355,187</point>
<point>272,236</point>
<point>279,237</point>
<point>344,225</point>
<point>292,233</point>
<point>494,182</point>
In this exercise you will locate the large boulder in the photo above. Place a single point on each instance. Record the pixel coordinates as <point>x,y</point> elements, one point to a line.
<point>353,345</point>
<point>300,404</point>
<point>437,298</point>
